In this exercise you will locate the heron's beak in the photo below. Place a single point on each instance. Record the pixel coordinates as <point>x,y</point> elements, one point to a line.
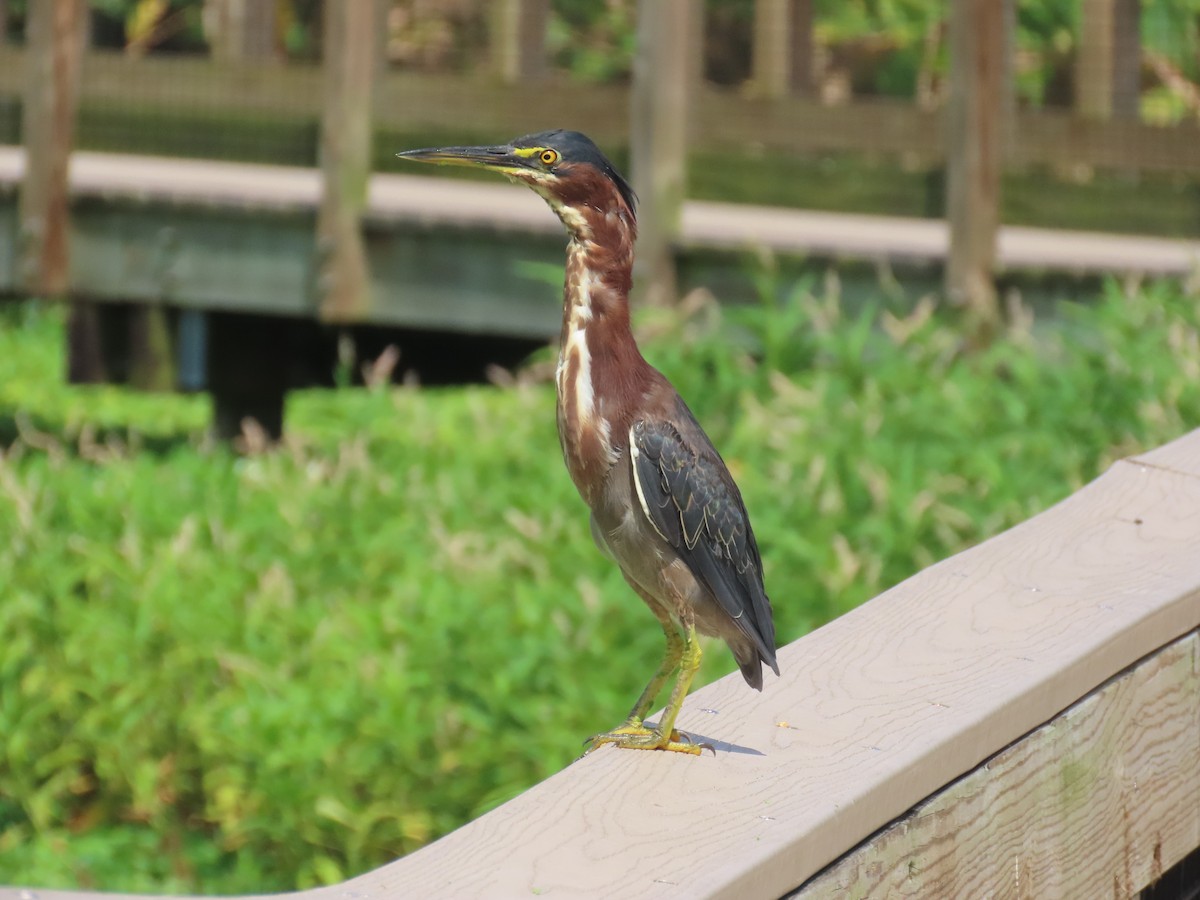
<point>504,159</point>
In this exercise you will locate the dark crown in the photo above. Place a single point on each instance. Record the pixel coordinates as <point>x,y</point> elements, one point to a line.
<point>575,147</point>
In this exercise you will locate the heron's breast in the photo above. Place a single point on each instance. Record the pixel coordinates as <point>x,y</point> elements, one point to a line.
<point>583,427</point>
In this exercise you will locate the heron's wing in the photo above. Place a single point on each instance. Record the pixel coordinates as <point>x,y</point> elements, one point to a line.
<point>691,500</point>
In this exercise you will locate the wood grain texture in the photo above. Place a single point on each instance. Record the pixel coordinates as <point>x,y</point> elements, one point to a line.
<point>1099,802</point>
<point>875,712</point>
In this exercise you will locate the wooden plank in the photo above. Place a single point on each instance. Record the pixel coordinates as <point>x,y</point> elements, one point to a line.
<point>726,120</point>
<point>408,102</point>
<point>1119,766</point>
<point>1059,139</point>
<point>343,281</point>
<point>279,194</point>
<point>519,39</point>
<point>874,712</point>
<point>227,189</point>
<point>974,150</point>
<point>1176,456</point>
<point>114,79</point>
<point>659,119</point>
<point>56,29</point>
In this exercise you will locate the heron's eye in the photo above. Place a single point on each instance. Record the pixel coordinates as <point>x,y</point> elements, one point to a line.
<point>549,157</point>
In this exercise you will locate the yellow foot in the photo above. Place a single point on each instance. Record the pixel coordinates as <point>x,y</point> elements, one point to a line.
<point>635,736</point>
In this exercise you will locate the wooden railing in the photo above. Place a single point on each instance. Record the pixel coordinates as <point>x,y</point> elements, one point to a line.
<point>1022,719</point>
<point>720,119</point>
<point>666,111</point>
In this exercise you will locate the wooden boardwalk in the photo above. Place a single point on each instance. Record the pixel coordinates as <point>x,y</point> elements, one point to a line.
<point>441,203</point>
<point>196,244</point>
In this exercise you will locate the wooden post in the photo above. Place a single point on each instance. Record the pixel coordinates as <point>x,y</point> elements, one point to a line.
<point>783,47</point>
<point>771,53</point>
<point>152,360</point>
<point>241,29</point>
<point>663,69</point>
<point>803,48</point>
<point>782,52</point>
<point>1127,59</point>
<point>974,151</point>
<point>56,29</point>
<point>519,39</point>
<point>1108,63</point>
<point>343,282</point>
<point>1093,60</point>
<point>383,9</point>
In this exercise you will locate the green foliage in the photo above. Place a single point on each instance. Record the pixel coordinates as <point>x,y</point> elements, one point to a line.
<point>888,447</point>
<point>904,20</point>
<point>1172,27</point>
<point>320,657</point>
<point>230,673</point>
<point>593,41</point>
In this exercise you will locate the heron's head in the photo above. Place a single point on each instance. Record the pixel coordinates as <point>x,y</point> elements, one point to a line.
<point>565,167</point>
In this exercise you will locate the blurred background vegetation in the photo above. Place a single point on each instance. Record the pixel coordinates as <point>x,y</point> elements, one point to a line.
<point>231,671</point>
<point>868,47</point>
<point>884,50</point>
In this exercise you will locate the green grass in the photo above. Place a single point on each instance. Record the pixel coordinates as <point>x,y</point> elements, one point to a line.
<point>229,673</point>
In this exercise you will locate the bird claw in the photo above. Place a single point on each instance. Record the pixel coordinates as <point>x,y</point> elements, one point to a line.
<point>638,737</point>
<point>688,739</point>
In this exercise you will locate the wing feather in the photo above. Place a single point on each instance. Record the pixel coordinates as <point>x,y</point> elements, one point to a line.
<point>690,498</point>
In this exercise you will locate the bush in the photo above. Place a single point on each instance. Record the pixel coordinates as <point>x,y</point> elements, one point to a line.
<point>234,674</point>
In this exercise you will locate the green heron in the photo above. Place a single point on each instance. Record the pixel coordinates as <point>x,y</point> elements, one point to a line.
<point>664,505</point>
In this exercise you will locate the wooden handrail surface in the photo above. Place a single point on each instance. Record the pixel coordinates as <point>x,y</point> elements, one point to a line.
<point>873,712</point>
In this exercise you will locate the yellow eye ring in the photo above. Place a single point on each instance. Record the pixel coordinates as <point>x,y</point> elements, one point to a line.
<point>549,157</point>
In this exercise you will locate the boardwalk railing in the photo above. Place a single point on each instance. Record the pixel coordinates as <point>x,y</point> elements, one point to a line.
<point>187,274</point>
<point>213,250</point>
<point>666,111</point>
<point>721,118</point>
<point>1022,719</point>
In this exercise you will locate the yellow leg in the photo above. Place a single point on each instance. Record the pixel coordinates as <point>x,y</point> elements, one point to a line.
<point>670,662</point>
<point>634,735</point>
